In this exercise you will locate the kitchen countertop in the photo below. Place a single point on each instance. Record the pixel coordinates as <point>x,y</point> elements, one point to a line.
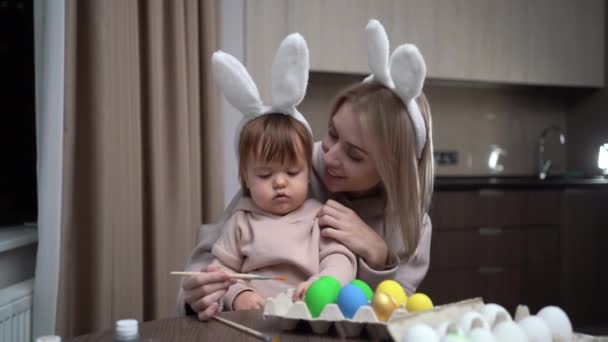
<point>454,183</point>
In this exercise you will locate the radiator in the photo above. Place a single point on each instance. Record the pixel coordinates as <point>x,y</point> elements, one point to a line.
<point>16,312</point>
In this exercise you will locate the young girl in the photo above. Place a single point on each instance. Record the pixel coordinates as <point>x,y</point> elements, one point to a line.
<point>374,169</point>
<point>274,229</point>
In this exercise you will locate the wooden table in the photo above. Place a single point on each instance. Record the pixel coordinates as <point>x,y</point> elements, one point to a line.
<point>190,329</point>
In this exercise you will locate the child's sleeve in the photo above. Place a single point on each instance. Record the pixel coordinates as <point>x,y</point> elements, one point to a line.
<point>335,260</point>
<point>227,249</point>
<point>201,256</point>
<point>227,252</point>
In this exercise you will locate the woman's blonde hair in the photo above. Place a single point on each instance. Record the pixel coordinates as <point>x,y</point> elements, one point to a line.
<point>407,182</point>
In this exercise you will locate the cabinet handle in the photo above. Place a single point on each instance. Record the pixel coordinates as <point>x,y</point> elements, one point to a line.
<point>491,193</point>
<point>490,231</point>
<point>490,270</point>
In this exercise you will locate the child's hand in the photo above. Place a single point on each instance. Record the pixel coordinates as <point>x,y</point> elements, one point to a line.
<point>248,300</point>
<point>300,291</point>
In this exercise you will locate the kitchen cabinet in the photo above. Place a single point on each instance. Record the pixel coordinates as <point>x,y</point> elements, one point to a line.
<point>494,244</point>
<point>533,247</point>
<point>585,234</point>
<point>539,42</point>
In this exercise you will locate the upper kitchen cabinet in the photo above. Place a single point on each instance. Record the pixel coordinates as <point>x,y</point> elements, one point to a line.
<point>539,42</point>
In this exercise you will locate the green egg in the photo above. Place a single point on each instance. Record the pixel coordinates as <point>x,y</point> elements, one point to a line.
<point>455,337</point>
<point>320,293</point>
<point>369,294</point>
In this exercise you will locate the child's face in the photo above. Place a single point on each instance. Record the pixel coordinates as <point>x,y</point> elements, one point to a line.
<point>277,188</point>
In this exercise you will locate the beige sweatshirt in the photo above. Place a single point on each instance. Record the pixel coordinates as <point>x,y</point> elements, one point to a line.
<point>255,241</point>
<point>408,272</point>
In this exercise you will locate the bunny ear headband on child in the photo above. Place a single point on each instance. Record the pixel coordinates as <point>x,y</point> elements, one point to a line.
<point>288,85</point>
<point>404,74</point>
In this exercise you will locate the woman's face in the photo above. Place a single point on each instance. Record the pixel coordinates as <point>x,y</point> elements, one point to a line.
<point>349,163</point>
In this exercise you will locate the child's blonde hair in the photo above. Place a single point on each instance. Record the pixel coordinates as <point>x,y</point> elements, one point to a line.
<point>407,182</point>
<point>273,138</point>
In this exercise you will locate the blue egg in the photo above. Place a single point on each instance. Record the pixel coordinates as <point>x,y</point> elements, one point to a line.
<point>350,299</point>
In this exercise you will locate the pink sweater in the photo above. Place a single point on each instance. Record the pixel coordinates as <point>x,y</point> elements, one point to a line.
<point>409,272</point>
<point>255,241</point>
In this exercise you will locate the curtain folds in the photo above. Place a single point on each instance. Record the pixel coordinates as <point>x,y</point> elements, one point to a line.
<point>139,173</point>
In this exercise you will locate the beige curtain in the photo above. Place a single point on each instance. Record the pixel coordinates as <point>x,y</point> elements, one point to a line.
<point>140,174</point>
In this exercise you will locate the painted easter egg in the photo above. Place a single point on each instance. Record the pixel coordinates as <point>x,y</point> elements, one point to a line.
<point>454,337</point>
<point>393,289</point>
<point>350,299</point>
<point>321,292</point>
<point>369,294</point>
<point>383,305</point>
<point>419,302</point>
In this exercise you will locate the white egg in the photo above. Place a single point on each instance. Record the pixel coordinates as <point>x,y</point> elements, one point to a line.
<point>471,320</point>
<point>447,328</point>
<point>420,333</point>
<point>494,314</point>
<point>558,322</point>
<point>481,335</point>
<point>536,329</point>
<point>509,331</point>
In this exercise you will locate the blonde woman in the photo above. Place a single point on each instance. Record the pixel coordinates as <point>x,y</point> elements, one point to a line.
<point>373,171</point>
<point>376,191</point>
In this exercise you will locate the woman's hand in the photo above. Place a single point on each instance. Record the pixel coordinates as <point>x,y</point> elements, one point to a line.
<point>248,300</point>
<point>203,291</point>
<point>344,225</point>
<point>300,291</point>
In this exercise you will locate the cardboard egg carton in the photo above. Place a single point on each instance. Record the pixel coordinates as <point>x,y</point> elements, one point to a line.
<point>291,313</point>
<point>399,326</point>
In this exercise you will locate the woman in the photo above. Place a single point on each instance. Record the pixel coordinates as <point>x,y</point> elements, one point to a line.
<point>374,172</point>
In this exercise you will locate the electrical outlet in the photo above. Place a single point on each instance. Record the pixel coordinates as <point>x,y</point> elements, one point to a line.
<point>445,157</point>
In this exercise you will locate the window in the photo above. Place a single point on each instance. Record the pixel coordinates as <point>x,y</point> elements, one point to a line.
<point>18,197</point>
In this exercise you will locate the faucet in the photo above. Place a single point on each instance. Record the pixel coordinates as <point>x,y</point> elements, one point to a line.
<point>545,165</point>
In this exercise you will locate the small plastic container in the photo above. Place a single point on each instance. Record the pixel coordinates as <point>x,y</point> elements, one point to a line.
<point>126,330</point>
<point>48,338</point>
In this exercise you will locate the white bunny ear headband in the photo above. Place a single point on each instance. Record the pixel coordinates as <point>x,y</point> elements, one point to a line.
<point>403,73</point>
<point>288,85</point>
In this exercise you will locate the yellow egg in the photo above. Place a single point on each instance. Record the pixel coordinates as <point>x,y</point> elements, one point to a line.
<point>393,289</point>
<point>419,302</point>
<point>383,305</point>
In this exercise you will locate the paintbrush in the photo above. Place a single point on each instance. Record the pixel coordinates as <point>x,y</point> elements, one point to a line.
<point>245,276</point>
<point>247,330</point>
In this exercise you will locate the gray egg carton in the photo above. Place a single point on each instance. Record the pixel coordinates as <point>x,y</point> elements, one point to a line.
<point>291,313</point>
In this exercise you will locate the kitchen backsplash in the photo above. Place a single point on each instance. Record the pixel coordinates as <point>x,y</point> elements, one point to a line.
<point>471,121</point>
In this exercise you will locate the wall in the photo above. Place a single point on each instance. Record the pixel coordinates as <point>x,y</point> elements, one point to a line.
<point>469,118</point>
<point>588,129</point>
<point>588,126</point>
